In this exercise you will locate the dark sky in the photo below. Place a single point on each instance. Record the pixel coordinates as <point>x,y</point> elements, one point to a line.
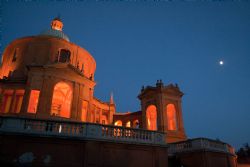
<point>136,43</point>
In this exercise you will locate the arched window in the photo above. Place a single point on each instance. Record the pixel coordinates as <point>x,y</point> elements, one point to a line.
<point>128,124</point>
<point>118,123</point>
<point>171,117</point>
<point>136,123</point>
<point>61,101</point>
<point>64,56</point>
<point>117,131</point>
<point>151,116</point>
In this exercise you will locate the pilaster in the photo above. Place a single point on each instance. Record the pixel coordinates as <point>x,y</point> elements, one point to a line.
<point>45,97</point>
<point>75,100</point>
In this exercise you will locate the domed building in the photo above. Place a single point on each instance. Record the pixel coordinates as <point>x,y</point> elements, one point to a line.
<point>47,76</point>
<point>49,115</point>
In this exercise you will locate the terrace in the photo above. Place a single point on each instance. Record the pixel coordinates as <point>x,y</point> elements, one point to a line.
<point>79,130</point>
<point>197,144</point>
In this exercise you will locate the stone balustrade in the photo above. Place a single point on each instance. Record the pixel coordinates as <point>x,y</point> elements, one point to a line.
<point>59,128</point>
<point>200,144</point>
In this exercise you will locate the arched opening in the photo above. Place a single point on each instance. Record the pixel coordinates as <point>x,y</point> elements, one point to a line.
<point>61,101</point>
<point>136,123</point>
<point>118,123</point>
<point>117,131</point>
<point>128,124</point>
<point>151,117</point>
<point>171,117</point>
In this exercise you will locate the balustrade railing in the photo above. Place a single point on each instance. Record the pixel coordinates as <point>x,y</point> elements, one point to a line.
<point>80,130</point>
<point>198,144</point>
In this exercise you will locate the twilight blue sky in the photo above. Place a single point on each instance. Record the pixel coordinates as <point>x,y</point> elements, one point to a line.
<point>136,43</point>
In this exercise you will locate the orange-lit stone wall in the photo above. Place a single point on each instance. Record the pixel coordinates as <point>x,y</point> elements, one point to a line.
<point>102,112</point>
<point>42,67</point>
<point>42,50</point>
<point>167,100</point>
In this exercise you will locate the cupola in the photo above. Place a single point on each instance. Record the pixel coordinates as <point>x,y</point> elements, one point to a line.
<point>57,24</point>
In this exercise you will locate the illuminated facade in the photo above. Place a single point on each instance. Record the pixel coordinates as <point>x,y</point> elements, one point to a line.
<point>47,78</point>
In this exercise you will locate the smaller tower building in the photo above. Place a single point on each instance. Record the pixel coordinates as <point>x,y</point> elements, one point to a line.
<point>161,110</point>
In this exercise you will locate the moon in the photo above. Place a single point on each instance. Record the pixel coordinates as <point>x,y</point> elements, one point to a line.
<point>221,62</point>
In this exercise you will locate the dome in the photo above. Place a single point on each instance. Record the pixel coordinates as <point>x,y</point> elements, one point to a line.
<point>55,33</point>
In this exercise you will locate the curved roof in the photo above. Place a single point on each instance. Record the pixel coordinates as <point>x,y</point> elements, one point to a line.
<point>57,18</point>
<point>55,33</point>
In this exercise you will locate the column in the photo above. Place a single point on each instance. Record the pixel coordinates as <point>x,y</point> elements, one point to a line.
<point>75,101</point>
<point>25,102</point>
<point>12,104</point>
<point>94,114</point>
<point>80,103</point>
<point>165,117</point>
<point>45,97</point>
<point>143,123</point>
<point>180,119</point>
<point>110,115</point>
<point>100,119</point>
<point>160,113</point>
